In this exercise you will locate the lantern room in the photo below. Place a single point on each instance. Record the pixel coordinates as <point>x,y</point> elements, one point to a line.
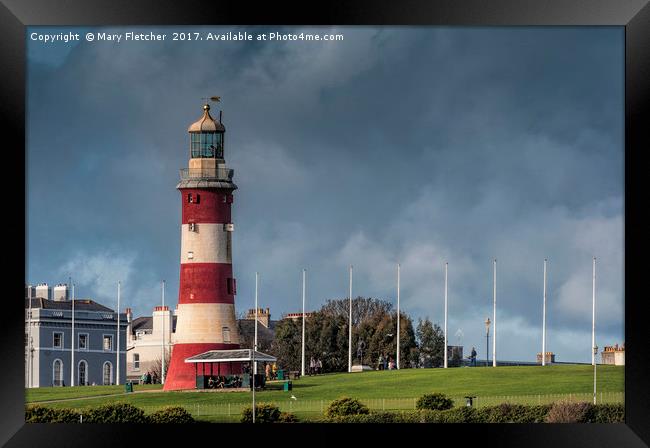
<point>206,137</point>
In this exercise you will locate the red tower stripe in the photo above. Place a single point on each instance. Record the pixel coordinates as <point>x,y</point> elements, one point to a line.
<point>181,374</point>
<point>210,208</point>
<point>205,283</point>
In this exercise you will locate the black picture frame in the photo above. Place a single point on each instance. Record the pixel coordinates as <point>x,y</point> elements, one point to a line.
<point>634,15</point>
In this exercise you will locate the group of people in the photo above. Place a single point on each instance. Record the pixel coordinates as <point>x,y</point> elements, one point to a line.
<point>386,363</point>
<point>315,366</point>
<point>148,378</point>
<point>271,371</point>
<point>219,382</point>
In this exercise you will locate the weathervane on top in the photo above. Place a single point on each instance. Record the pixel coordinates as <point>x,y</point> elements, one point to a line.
<point>215,99</point>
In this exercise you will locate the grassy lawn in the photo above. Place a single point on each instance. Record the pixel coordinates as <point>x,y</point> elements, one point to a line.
<point>391,386</point>
<point>63,393</point>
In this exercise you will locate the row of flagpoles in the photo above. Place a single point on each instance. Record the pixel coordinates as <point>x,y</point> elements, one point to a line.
<point>494,317</point>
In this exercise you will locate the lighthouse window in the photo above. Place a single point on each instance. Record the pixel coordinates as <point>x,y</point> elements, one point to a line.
<point>192,227</point>
<point>190,198</point>
<point>206,144</point>
<point>226,334</point>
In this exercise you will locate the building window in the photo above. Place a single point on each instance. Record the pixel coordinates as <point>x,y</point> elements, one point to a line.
<point>190,255</point>
<point>191,226</point>
<point>232,287</point>
<point>136,361</point>
<point>57,373</point>
<point>108,342</point>
<point>83,341</point>
<point>226,334</point>
<point>190,198</point>
<point>107,373</point>
<point>57,341</point>
<point>197,199</point>
<point>82,373</point>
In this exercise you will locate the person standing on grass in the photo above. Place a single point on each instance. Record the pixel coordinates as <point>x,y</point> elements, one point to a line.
<point>319,366</point>
<point>275,370</point>
<point>267,371</point>
<point>312,366</point>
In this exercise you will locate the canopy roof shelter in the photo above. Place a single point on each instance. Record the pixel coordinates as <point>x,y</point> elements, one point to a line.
<point>245,355</point>
<point>219,357</point>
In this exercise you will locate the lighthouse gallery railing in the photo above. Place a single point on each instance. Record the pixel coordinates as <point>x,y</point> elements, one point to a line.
<point>207,173</point>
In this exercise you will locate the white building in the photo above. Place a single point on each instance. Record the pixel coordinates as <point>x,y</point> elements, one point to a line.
<point>145,337</point>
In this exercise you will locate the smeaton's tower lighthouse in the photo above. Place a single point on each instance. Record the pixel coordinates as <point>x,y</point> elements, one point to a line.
<point>206,299</point>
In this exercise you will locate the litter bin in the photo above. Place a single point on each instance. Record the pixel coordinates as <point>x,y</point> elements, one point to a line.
<point>128,386</point>
<point>280,374</point>
<point>287,385</point>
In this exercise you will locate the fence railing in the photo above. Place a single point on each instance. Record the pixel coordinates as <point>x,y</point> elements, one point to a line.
<point>232,411</point>
<point>207,174</point>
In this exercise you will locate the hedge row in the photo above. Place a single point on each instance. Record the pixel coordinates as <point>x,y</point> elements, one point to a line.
<point>108,413</point>
<point>267,413</point>
<point>504,413</point>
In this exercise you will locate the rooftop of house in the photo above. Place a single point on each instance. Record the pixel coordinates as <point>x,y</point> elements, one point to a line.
<point>79,305</point>
<point>146,323</point>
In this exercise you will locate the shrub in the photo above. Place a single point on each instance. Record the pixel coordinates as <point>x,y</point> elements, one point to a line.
<point>462,414</point>
<point>345,406</point>
<point>567,412</point>
<point>379,417</point>
<point>115,413</point>
<point>434,402</point>
<point>171,414</point>
<point>40,414</point>
<point>264,413</point>
<point>606,413</point>
<point>512,413</point>
<point>287,417</point>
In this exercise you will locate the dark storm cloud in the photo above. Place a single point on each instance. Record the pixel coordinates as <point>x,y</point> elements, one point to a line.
<point>416,145</point>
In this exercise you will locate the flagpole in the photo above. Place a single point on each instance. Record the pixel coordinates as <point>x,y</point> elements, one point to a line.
<point>117,376</point>
<point>350,325</point>
<point>398,316</point>
<point>162,368</point>
<point>255,346</point>
<point>445,353</point>
<point>29,338</point>
<point>494,318</point>
<point>303,323</point>
<point>593,314</point>
<point>72,343</point>
<point>255,342</point>
<point>544,320</point>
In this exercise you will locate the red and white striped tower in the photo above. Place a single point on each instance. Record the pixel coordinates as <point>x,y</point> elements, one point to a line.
<point>206,298</point>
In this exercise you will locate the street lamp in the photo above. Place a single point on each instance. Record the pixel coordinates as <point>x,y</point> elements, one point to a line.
<point>487,337</point>
<point>595,353</point>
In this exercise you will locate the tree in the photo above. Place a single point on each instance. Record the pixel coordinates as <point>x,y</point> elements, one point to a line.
<point>287,344</point>
<point>431,341</point>
<point>327,332</point>
<point>156,365</point>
